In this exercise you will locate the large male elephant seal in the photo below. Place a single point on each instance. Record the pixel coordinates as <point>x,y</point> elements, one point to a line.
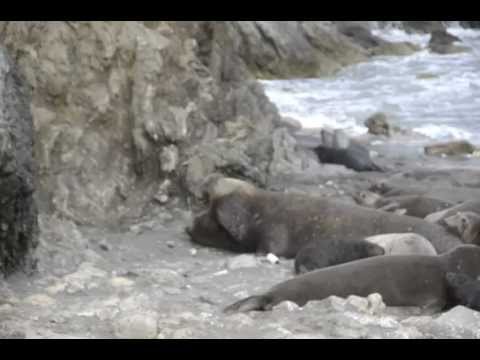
<point>271,222</point>
<point>320,254</point>
<point>402,280</point>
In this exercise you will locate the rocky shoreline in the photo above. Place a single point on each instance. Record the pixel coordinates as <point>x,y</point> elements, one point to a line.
<point>127,127</point>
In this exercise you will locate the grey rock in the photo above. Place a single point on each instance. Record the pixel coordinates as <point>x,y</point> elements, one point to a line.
<point>19,234</point>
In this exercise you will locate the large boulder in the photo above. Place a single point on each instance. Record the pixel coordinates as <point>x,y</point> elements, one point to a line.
<point>442,42</point>
<point>18,214</point>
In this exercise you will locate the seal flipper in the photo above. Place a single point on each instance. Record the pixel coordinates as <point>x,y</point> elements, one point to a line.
<point>258,302</point>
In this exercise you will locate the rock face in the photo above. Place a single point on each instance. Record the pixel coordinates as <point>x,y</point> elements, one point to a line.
<point>18,216</point>
<point>120,107</point>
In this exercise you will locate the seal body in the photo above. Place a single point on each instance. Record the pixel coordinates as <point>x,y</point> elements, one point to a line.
<point>320,254</point>
<point>271,222</point>
<point>402,280</point>
<point>403,244</point>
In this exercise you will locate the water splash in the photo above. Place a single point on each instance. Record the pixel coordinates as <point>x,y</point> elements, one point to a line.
<point>435,95</point>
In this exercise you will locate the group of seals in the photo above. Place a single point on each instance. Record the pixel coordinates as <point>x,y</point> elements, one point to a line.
<point>402,280</point>
<point>255,220</point>
<point>338,247</point>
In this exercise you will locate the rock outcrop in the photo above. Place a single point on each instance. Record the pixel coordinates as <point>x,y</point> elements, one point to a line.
<point>18,214</point>
<point>122,109</point>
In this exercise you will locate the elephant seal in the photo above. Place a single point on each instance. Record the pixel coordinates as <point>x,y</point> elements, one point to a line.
<point>337,148</point>
<point>467,224</point>
<point>414,205</point>
<point>403,244</point>
<point>467,206</point>
<point>320,254</point>
<point>273,222</point>
<point>402,280</point>
<point>464,290</point>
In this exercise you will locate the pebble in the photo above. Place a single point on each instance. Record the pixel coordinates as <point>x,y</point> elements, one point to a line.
<point>221,272</point>
<point>170,244</point>
<point>40,300</point>
<point>104,245</point>
<point>193,252</point>
<point>288,305</point>
<point>120,282</point>
<point>272,258</point>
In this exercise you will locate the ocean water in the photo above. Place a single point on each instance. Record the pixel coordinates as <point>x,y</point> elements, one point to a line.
<point>434,95</point>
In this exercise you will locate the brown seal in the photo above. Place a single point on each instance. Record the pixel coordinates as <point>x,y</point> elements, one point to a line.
<point>402,280</point>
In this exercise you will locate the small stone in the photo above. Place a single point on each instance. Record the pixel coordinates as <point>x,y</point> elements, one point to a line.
<point>241,261</point>
<point>221,272</point>
<point>162,198</point>
<point>272,258</point>
<point>288,306</point>
<point>357,303</point>
<point>104,245</point>
<point>193,252</point>
<point>171,290</point>
<point>142,325</point>
<point>40,300</point>
<point>55,289</point>
<point>121,282</point>
<point>170,244</point>
<point>376,303</point>
<point>136,229</point>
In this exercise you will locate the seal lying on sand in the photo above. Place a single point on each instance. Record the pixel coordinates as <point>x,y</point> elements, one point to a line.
<point>320,254</point>
<point>414,205</point>
<point>402,280</point>
<point>464,290</point>
<point>255,220</point>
